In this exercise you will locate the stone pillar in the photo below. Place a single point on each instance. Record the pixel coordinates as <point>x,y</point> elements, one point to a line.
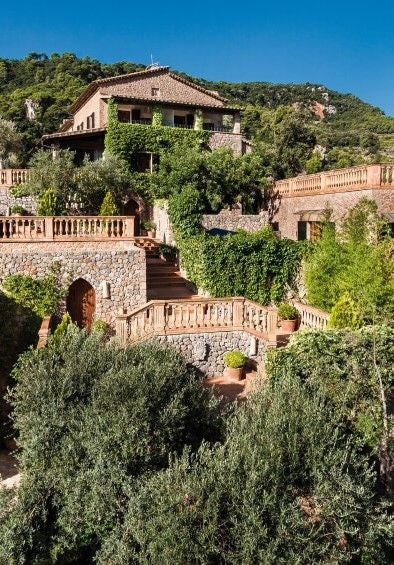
<point>373,176</point>
<point>237,123</point>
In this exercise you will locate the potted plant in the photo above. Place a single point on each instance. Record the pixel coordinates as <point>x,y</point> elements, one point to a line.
<point>150,227</point>
<point>288,315</point>
<point>235,363</point>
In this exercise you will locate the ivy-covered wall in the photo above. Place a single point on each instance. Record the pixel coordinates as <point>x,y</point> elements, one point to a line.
<point>126,140</point>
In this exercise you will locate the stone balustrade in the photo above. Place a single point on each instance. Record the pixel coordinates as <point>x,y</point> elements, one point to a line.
<point>44,332</point>
<point>311,317</point>
<point>340,180</point>
<point>66,228</point>
<point>199,315</point>
<point>10,177</point>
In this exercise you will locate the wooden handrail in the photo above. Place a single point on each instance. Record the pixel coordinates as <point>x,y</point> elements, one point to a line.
<point>197,315</point>
<point>339,180</point>
<point>66,228</point>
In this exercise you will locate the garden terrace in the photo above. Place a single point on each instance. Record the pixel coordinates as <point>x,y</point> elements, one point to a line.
<point>340,180</point>
<point>66,228</point>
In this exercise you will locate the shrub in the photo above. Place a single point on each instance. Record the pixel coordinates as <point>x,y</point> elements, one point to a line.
<point>61,329</point>
<point>287,486</point>
<point>149,225</point>
<point>169,252</point>
<point>17,209</point>
<point>287,311</point>
<point>92,420</point>
<point>48,204</point>
<point>40,295</point>
<point>234,359</point>
<point>345,314</point>
<point>108,206</point>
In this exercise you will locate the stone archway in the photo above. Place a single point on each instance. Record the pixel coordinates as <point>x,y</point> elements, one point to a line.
<point>81,303</point>
<point>132,208</point>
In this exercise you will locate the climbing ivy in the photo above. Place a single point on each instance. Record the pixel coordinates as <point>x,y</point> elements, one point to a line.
<point>126,140</point>
<point>258,265</point>
<point>157,116</point>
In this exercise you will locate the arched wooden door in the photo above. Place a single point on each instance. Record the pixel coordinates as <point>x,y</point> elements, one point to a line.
<point>81,303</point>
<point>131,208</point>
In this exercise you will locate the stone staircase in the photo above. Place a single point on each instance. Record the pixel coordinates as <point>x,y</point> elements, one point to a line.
<point>163,279</point>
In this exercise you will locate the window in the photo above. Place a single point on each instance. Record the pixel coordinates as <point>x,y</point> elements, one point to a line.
<point>302,231</point>
<point>155,91</point>
<point>92,120</point>
<point>124,116</point>
<point>88,122</point>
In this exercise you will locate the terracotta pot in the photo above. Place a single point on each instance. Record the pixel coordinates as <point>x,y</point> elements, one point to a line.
<point>233,373</point>
<point>288,326</point>
<point>151,233</point>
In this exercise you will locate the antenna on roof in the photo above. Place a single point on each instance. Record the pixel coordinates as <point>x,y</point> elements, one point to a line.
<point>153,65</point>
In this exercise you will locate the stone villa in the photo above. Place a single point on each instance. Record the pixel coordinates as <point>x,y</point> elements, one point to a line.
<point>183,105</point>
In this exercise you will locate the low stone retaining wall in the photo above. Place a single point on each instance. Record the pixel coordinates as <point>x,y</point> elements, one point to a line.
<point>205,350</point>
<point>7,201</point>
<point>231,221</point>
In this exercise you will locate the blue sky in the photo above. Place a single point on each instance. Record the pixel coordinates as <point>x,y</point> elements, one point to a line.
<point>347,45</point>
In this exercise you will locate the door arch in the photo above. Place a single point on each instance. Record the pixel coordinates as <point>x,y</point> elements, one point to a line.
<point>132,208</point>
<point>81,303</point>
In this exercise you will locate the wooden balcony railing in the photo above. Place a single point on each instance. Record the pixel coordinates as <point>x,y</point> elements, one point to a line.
<point>311,317</point>
<point>341,180</point>
<point>66,228</point>
<point>200,315</point>
<point>10,177</point>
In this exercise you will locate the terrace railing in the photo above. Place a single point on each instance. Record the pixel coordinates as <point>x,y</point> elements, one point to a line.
<point>340,180</point>
<point>198,315</point>
<point>311,317</point>
<point>10,177</point>
<point>66,228</point>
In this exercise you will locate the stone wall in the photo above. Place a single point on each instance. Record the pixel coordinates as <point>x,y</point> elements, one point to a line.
<point>163,227</point>
<point>227,139</point>
<point>205,351</point>
<point>7,201</point>
<point>232,220</point>
<point>120,264</point>
<point>291,209</point>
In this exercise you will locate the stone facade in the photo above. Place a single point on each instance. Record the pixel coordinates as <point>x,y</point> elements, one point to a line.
<point>231,220</point>
<point>205,351</point>
<point>120,264</point>
<point>291,210</point>
<point>228,139</point>
<point>7,201</point>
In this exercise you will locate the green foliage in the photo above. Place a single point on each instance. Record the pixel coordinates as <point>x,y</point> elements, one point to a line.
<point>40,295</point>
<point>108,206</point>
<point>234,359</point>
<point>157,116</point>
<point>101,326</point>
<point>258,265</point>
<point>126,140</point>
<point>93,419</point>
<point>314,164</point>
<point>149,225</point>
<point>340,363</point>
<point>17,209</point>
<point>345,314</point>
<point>10,143</point>
<point>287,486</point>
<point>287,311</point>
<point>48,204</point>
<point>221,177</point>
<point>61,329</point>
<point>357,261</point>
<point>19,330</point>
<point>185,210</point>
<point>87,184</point>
